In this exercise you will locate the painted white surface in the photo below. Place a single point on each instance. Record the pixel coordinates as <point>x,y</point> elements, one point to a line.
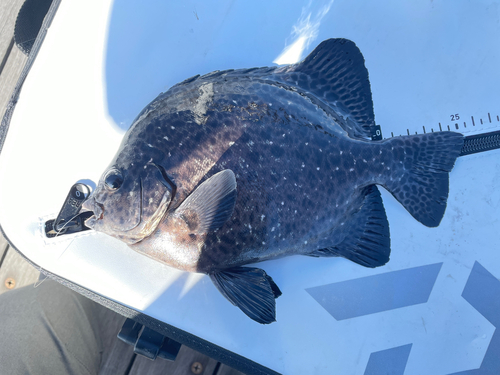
<point>426,62</point>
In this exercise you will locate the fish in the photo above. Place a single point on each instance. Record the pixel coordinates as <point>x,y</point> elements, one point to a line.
<point>237,167</point>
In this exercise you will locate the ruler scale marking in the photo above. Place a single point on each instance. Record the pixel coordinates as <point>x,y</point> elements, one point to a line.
<point>473,143</point>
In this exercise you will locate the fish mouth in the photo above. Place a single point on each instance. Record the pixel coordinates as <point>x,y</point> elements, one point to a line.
<point>95,207</point>
<point>91,205</point>
<point>98,210</point>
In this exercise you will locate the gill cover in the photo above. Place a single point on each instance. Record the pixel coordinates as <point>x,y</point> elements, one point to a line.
<point>130,207</point>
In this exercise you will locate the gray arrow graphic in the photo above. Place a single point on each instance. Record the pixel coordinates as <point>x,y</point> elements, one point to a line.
<point>482,291</point>
<point>388,362</point>
<point>373,294</point>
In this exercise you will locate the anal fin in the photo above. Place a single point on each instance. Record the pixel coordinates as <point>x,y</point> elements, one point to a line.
<point>250,289</point>
<point>369,241</point>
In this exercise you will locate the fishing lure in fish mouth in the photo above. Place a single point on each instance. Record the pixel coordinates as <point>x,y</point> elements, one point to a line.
<point>240,166</point>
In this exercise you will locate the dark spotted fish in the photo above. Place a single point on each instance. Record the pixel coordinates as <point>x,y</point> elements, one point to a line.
<point>240,166</point>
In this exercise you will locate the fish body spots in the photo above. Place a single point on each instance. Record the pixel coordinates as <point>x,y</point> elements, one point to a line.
<point>297,172</point>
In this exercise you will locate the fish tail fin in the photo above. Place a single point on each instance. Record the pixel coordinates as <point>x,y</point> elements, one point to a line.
<point>420,181</point>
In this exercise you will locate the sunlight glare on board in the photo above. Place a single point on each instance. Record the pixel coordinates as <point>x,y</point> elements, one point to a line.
<point>191,280</point>
<point>304,32</point>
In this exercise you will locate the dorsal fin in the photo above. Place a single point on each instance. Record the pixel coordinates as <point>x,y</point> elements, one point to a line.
<point>335,72</point>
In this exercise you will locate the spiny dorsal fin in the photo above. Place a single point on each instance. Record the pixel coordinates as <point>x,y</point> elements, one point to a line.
<point>250,289</point>
<point>211,204</point>
<point>368,242</point>
<point>335,72</point>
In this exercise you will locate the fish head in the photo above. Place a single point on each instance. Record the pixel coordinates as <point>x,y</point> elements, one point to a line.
<point>129,203</point>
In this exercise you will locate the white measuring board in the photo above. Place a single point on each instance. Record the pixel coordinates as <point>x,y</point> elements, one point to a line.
<point>433,309</point>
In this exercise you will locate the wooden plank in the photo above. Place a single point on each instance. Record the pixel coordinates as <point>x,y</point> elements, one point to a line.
<point>15,268</point>
<point>10,74</point>
<point>226,370</point>
<point>117,355</point>
<point>8,15</point>
<point>3,247</point>
<point>182,366</point>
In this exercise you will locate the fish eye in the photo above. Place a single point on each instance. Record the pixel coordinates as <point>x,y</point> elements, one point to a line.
<point>113,179</point>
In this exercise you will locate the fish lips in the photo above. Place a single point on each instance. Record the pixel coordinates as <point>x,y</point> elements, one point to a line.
<point>143,229</point>
<point>90,205</point>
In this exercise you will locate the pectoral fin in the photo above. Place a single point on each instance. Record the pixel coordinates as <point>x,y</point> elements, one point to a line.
<point>211,204</point>
<point>250,289</point>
